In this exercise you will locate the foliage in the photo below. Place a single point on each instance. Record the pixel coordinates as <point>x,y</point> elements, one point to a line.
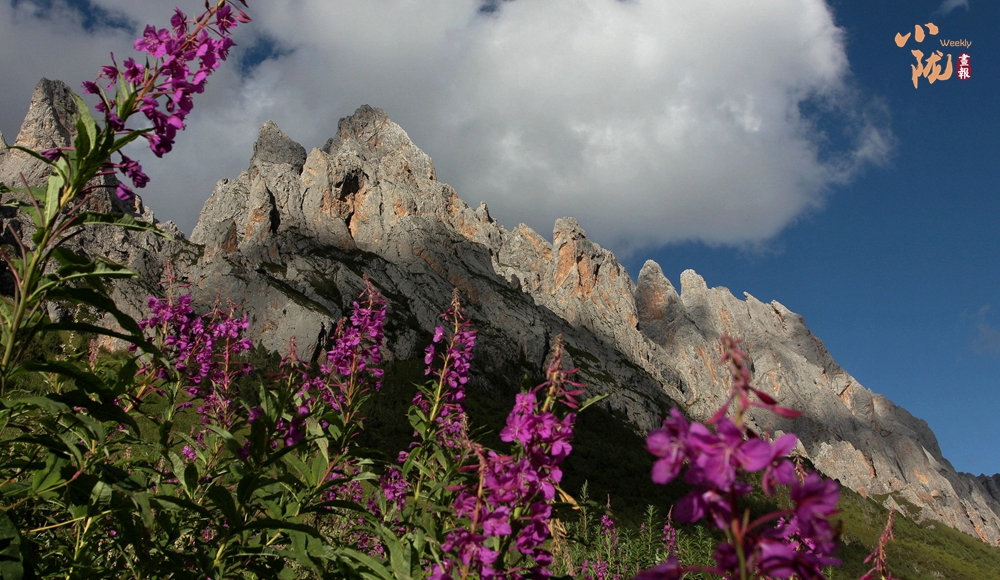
<point>179,460</point>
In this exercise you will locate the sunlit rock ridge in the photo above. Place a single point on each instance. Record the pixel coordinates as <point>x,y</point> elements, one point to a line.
<point>291,238</point>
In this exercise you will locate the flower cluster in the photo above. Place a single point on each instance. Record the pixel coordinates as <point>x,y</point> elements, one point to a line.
<point>716,458</point>
<point>203,349</point>
<point>342,383</point>
<point>880,568</point>
<point>357,348</point>
<point>456,361</point>
<point>670,536</point>
<point>512,496</point>
<point>183,57</point>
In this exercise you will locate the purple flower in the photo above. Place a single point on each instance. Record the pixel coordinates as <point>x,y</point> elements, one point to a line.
<point>132,170</point>
<point>512,496</point>
<point>51,154</point>
<point>815,502</point>
<point>669,444</point>
<point>669,570</point>
<point>182,61</point>
<point>200,353</point>
<point>798,547</point>
<point>124,193</point>
<point>496,523</point>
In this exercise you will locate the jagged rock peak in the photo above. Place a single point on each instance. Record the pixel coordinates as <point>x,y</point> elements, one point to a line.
<point>370,134</point>
<point>567,227</point>
<point>3,143</point>
<point>50,120</point>
<point>274,146</point>
<point>654,294</point>
<point>49,123</point>
<point>691,281</point>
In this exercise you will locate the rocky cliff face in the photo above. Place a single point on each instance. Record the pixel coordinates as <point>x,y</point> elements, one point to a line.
<point>292,237</point>
<point>49,123</point>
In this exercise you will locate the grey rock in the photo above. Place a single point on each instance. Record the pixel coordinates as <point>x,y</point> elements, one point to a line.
<point>292,238</point>
<point>50,123</point>
<point>274,147</point>
<point>858,437</point>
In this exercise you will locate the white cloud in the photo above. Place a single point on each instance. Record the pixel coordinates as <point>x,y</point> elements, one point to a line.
<point>949,5</point>
<point>649,121</point>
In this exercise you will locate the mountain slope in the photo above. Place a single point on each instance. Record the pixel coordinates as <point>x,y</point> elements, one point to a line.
<point>291,238</point>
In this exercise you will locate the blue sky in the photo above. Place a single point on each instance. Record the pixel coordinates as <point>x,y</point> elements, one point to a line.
<point>777,148</point>
<point>899,272</point>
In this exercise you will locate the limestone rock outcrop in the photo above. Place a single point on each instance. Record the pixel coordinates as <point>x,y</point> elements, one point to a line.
<point>50,123</point>
<point>293,236</point>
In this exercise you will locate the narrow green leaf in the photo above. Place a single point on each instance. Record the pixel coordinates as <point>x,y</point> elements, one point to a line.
<point>82,141</point>
<point>191,477</point>
<point>105,410</point>
<point>30,152</point>
<point>84,379</point>
<point>179,504</point>
<point>128,138</point>
<point>11,560</point>
<point>70,439</point>
<point>178,470</point>
<point>338,503</point>
<point>590,401</point>
<point>275,524</point>
<point>50,476</point>
<point>100,495</point>
<point>373,565</point>
<point>66,256</point>
<point>89,297</point>
<point>121,220</point>
<point>223,500</point>
<point>246,487</point>
<point>54,189</point>
<point>141,501</point>
<point>24,206</point>
<point>44,403</point>
<point>135,339</point>
<point>398,561</point>
<point>97,268</point>
<point>86,126</point>
<point>303,470</point>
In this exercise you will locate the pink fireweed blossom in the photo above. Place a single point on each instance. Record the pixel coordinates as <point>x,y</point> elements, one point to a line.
<point>524,482</point>
<point>202,350</point>
<point>183,57</point>
<point>357,349</point>
<point>716,454</point>
<point>446,410</point>
<point>740,391</point>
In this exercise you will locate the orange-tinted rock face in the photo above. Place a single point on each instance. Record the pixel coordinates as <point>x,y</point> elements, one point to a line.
<point>292,237</point>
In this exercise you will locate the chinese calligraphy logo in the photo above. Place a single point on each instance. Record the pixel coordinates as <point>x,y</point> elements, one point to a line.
<point>931,67</point>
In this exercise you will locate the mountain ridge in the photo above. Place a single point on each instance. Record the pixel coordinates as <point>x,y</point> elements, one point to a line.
<point>291,238</point>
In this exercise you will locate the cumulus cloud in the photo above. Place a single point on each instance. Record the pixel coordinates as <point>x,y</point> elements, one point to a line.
<point>949,5</point>
<point>651,122</point>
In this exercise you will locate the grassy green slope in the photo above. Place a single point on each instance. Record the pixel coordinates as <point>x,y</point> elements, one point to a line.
<point>611,457</point>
